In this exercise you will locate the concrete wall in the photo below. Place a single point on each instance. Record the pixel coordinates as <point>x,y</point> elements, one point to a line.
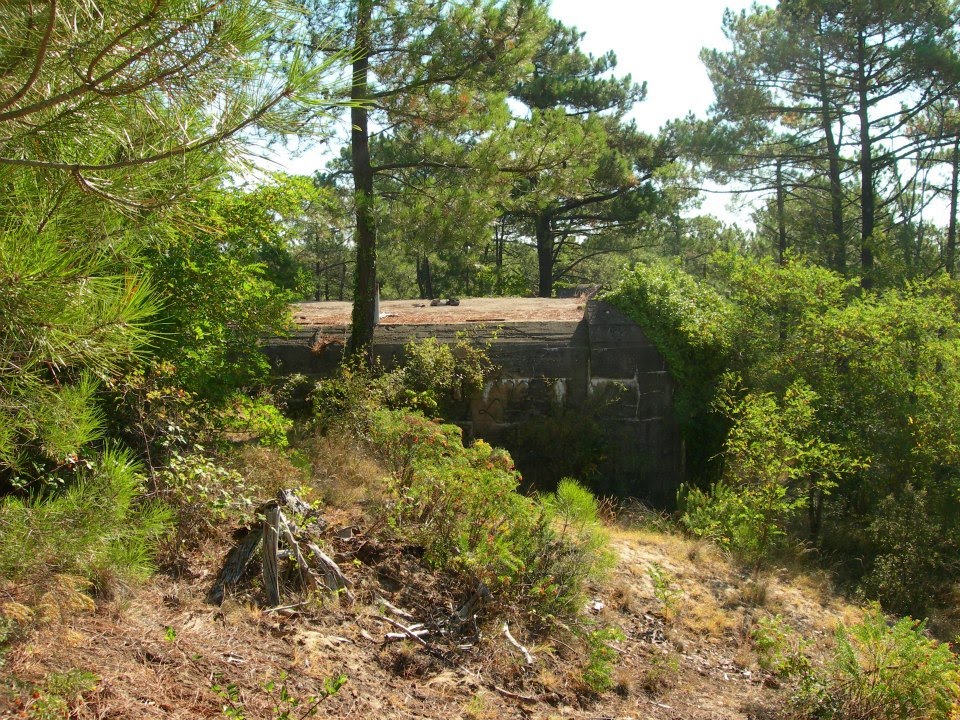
<point>594,390</point>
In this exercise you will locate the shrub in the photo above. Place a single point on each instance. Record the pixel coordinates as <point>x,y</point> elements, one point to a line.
<point>97,527</point>
<point>601,655</point>
<point>347,401</point>
<point>204,496</point>
<point>774,464</point>
<point>913,547</point>
<point>461,504</point>
<point>431,379</point>
<point>885,672</point>
<point>780,649</point>
<point>257,417</point>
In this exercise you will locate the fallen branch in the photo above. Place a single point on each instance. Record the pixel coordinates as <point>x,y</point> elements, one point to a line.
<point>404,636</point>
<point>515,696</point>
<point>412,634</point>
<point>518,646</point>
<point>399,612</point>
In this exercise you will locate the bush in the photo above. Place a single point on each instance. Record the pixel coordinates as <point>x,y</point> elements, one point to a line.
<point>885,672</point>
<point>775,464</point>
<point>597,672</point>
<point>461,504</point>
<point>257,418</point>
<point>432,378</point>
<point>97,528</point>
<point>780,649</point>
<point>913,547</point>
<point>347,401</point>
<point>204,496</point>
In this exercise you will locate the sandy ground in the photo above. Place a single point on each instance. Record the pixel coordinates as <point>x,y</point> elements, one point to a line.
<point>420,312</point>
<point>161,652</point>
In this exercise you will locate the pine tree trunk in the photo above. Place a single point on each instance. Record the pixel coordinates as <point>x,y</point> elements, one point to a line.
<point>839,251</point>
<point>365,238</point>
<point>424,278</point>
<point>781,219</point>
<point>951,253</point>
<point>544,256</point>
<point>867,202</point>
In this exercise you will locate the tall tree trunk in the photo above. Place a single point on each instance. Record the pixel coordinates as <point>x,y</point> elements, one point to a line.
<point>365,238</point>
<point>867,200</point>
<point>544,255</point>
<point>839,251</point>
<point>951,254</point>
<point>424,278</point>
<point>781,219</point>
<point>498,240</point>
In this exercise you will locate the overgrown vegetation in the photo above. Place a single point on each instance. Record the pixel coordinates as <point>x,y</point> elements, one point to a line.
<point>828,404</point>
<point>96,528</point>
<point>876,669</point>
<point>461,503</point>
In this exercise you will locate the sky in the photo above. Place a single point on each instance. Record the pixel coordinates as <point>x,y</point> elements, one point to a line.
<point>658,41</point>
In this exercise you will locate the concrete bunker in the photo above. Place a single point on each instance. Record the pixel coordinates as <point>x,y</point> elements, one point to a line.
<point>585,381</point>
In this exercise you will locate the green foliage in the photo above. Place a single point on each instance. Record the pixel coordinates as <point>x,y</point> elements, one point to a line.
<point>97,527</point>
<point>432,378</point>
<point>774,464</point>
<point>204,495</point>
<point>690,323</point>
<point>597,673</point>
<point>287,705</point>
<point>780,649</point>
<point>257,417</point>
<point>841,418</point>
<point>436,375</point>
<point>576,518</point>
<point>154,413</point>
<point>347,401</point>
<point>68,321</point>
<point>218,304</point>
<point>461,504</point>
<point>665,589</point>
<point>94,163</point>
<point>880,671</point>
<point>914,540</point>
<point>59,693</point>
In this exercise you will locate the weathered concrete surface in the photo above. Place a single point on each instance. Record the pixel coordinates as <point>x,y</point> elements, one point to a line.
<point>566,390</point>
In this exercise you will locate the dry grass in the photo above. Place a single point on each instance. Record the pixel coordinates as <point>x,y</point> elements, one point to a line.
<point>695,662</point>
<point>266,470</point>
<point>345,474</point>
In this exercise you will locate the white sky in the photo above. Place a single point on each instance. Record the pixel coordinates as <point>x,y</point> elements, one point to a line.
<point>658,41</point>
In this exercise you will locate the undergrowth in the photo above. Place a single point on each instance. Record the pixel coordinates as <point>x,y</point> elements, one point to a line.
<point>462,505</point>
<point>96,528</point>
<point>876,670</point>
